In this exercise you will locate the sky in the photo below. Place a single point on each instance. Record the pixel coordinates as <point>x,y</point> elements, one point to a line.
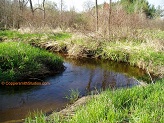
<point>79,4</point>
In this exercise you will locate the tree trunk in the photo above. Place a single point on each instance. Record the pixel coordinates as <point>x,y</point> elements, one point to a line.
<point>109,18</point>
<point>31,6</point>
<point>96,9</point>
<point>44,10</point>
<point>61,10</point>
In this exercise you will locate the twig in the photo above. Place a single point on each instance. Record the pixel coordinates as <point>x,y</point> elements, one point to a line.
<point>150,76</point>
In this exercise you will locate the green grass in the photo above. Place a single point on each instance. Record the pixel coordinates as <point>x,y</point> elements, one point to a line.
<point>38,115</point>
<point>142,55</point>
<point>19,61</point>
<point>60,36</point>
<point>136,105</point>
<point>133,105</point>
<point>32,37</point>
<point>16,35</point>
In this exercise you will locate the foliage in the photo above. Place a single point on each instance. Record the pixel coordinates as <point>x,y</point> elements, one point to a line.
<point>139,6</point>
<point>21,61</point>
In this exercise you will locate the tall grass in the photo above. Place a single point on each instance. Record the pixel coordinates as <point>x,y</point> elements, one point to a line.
<point>16,35</point>
<point>136,105</point>
<point>21,61</point>
<point>36,117</point>
<point>143,55</point>
<point>32,37</point>
<point>133,105</point>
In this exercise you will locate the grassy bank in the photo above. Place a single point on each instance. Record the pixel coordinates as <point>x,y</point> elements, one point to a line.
<point>134,105</point>
<point>20,61</point>
<point>144,49</point>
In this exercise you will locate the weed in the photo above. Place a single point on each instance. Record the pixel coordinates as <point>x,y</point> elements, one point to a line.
<point>73,96</point>
<point>36,117</point>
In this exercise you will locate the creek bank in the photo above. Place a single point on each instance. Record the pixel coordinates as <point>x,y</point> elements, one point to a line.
<point>144,52</point>
<point>71,108</point>
<point>95,109</point>
<point>22,62</point>
<point>140,55</point>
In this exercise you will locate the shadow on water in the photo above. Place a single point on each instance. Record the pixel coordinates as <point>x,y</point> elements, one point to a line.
<point>86,75</point>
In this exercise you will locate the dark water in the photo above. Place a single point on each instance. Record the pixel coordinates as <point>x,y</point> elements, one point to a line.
<point>86,75</point>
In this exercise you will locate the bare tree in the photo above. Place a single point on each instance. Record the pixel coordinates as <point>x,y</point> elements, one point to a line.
<point>44,10</point>
<point>109,18</point>
<point>96,9</point>
<point>22,5</point>
<point>88,5</point>
<point>5,15</point>
<point>61,9</point>
<point>31,6</point>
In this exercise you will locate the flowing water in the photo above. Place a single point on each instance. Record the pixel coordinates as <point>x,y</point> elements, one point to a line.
<point>86,75</point>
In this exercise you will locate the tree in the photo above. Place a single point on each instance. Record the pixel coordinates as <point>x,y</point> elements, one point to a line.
<point>44,10</point>
<point>132,6</point>
<point>159,11</point>
<point>110,15</point>
<point>31,6</point>
<point>88,5</point>
<point>97,18</point>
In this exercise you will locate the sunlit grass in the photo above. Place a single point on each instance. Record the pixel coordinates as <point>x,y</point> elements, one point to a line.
<point>36,117</point>
<point>136,105</point>
<point>133,105</point>
<point>16,35</point>
<point>26,37</point>
<point>18,61</point>
<point>60,36</point>
<point>142,55</point>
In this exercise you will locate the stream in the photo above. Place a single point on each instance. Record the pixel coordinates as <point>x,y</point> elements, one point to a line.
<point>84,75</point>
